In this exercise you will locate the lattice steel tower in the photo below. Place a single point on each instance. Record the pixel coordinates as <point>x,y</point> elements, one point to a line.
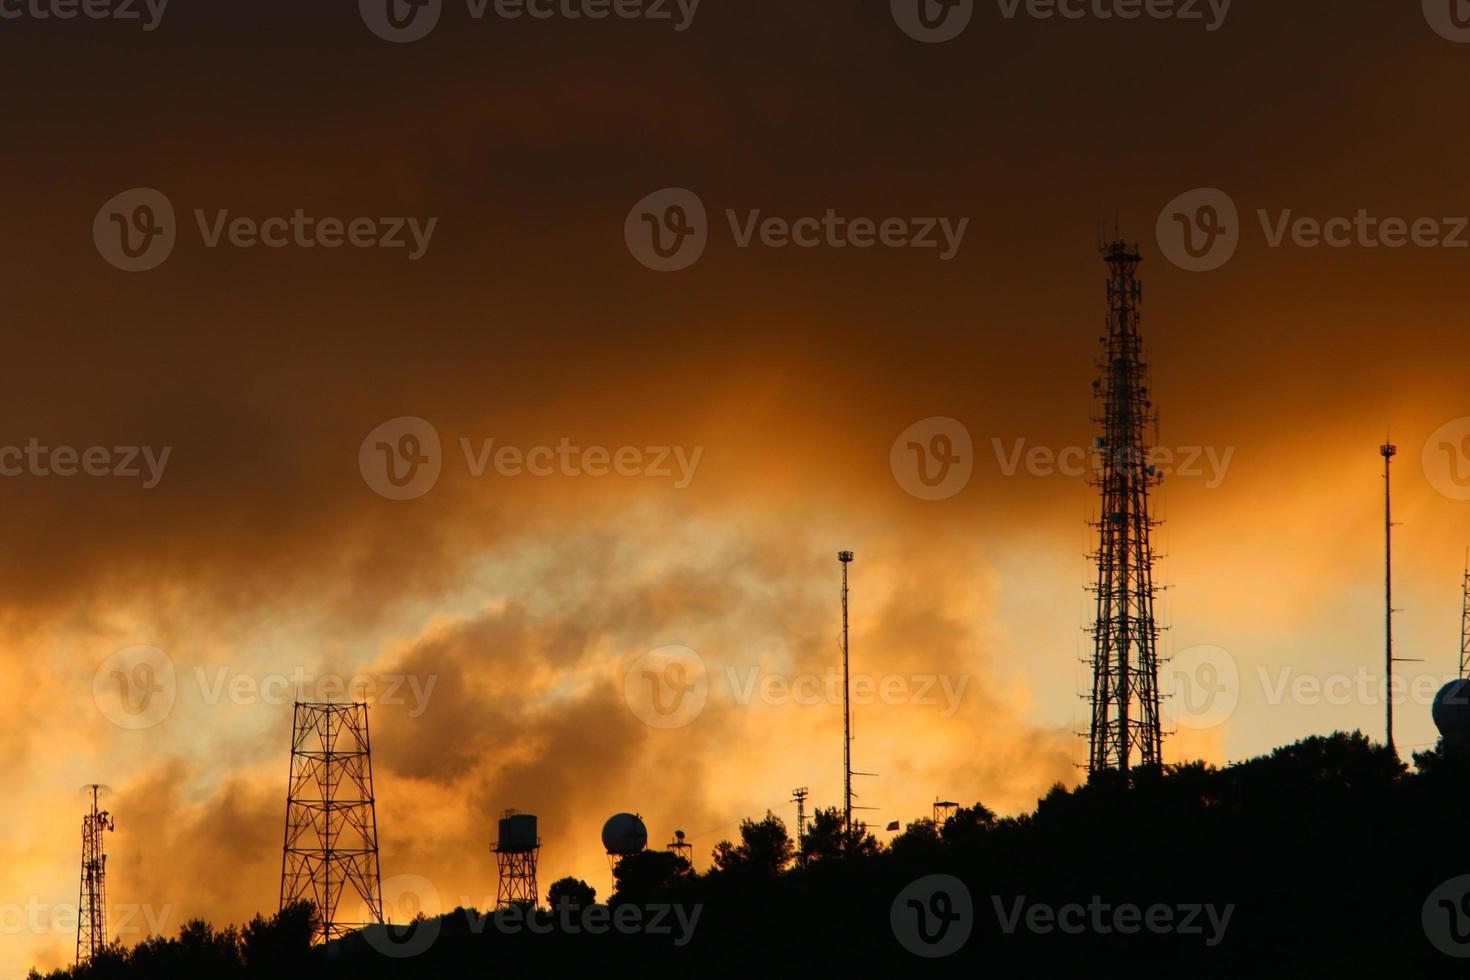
<point>1125,729</point>
<point>92,903</point>
<point>331,845</point>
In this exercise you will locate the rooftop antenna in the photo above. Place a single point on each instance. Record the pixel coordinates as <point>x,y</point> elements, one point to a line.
<point>92,902</point>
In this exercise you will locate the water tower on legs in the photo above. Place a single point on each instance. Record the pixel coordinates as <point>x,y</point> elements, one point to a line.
<point>517,849</point>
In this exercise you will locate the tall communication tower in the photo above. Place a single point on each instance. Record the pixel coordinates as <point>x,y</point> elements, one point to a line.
<point>1125,730</point>
<point>92,903</point>
<point>517,851</point>
<point>331,847</point>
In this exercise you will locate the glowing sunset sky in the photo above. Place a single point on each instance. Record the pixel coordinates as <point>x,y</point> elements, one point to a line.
<point>264,553</point>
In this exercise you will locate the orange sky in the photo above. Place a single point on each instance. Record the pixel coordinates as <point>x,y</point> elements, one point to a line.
<point>263,553</point>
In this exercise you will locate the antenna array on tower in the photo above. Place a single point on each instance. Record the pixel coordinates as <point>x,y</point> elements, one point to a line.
<point>92,903</point>
<point>1125,729</point>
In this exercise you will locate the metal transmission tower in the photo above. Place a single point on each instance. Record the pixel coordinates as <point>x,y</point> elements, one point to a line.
<point>799,797</point>
<point>92,904</point>
<point>517,850</point>
<point>1125,730</point>
<point>331,824</point>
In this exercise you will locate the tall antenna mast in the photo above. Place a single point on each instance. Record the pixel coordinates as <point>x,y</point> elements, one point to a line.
<point>1125,727</point>
<point>1388,451</point>
<point>845,557</point>
<point>92,902</point>
<point>1465,618</point>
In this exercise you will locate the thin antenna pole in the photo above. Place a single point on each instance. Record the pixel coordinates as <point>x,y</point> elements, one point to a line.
<point>1388,450</point>
<point>845,557</point>
<point>1465,618</point>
